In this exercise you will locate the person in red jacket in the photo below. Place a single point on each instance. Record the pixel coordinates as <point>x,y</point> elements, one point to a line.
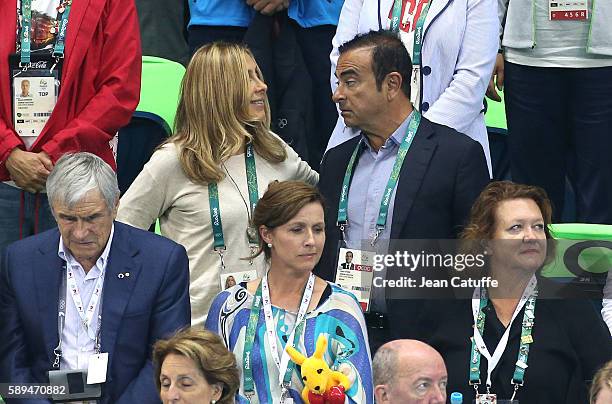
<point>84,82</point>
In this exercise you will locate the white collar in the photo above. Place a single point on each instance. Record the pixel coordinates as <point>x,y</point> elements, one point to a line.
<point>102,261</point>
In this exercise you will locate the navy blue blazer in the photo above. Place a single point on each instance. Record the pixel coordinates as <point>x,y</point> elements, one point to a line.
<point>442,175</point>
<point>150,304</point>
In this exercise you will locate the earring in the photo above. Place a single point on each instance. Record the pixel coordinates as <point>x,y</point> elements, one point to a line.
<point>269,245</point>
<point>213,401</point>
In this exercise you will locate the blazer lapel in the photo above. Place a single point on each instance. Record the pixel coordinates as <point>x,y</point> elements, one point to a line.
<point>411,176</point>
<point>385,10</point>
<point>47,272</point>
<point>437,6</point>
<point>118,287</point>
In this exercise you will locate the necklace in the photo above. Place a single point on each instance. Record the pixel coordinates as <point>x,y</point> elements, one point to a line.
<point>251,231</point>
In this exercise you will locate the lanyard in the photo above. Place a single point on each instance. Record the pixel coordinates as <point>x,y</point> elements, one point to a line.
<point>251,172</point>
<point>413,126</point>
<point>479,347</point>
<point>418,31</point>
<point>60,39</point>
<point>86,315</point>
<point>284,365</point>
<point>215,209</point>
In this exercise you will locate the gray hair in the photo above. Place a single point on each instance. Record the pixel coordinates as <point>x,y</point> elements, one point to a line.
<point>75,174</point>
<point>383,365</point>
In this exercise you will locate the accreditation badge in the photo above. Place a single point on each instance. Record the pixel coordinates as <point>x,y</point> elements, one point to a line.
<point>97,368</point>
<point>562,10</point>
<point>35,88</point>
<point>486,399</point>
<point>229,279</point>
<point>355,272</point>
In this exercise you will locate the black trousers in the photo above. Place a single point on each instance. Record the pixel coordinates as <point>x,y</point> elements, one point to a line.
<point>316,45</point>
<point>560,125</point>
<point>201,35</point>
<point>377,337</point>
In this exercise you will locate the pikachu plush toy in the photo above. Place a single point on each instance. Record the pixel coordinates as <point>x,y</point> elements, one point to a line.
<point>321,384</point>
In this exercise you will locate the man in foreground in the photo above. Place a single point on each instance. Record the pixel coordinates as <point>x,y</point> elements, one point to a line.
<point>409,372</point>
<point>92,296</point>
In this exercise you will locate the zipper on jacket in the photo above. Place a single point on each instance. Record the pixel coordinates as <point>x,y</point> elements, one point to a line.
<point>533,32</point>
<point>588,43</point>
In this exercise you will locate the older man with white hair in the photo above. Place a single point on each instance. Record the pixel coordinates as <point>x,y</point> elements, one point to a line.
<point>82,305</point>
<point>409,372</point>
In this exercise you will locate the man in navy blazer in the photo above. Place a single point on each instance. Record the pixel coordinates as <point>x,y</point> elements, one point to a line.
<point>143,279</point>
<point>441,175</point>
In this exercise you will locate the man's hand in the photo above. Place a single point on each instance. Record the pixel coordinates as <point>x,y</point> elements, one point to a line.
<point>268,7</point>
<point>29,170</point>
<point>497,79</point>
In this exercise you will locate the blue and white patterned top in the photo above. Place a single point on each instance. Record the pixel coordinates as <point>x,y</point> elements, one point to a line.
<point>338,316</point>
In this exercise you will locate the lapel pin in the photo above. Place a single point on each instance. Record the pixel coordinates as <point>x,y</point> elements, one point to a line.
<point>123,275</point>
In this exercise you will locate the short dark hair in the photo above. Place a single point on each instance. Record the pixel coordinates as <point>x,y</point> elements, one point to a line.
<point>280,203</point>
<point>388,55</point>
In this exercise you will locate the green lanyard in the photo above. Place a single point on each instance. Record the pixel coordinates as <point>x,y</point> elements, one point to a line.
<point>381,222</point>
<point>60,39</point>
<point>523,353</point>
<point>396,17</point>
<point>251,173</point>
<point>213,198</point>
<point>251,330</point>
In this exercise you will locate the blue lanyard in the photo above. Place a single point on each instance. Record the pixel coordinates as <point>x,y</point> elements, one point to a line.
<point>381,222</point>
<point>26,26</point>
<point>213,198</point>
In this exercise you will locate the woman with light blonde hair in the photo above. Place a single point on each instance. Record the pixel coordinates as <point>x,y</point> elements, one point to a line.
<point>203,183</point>
<point>194,366</point>
<point>601,389</point>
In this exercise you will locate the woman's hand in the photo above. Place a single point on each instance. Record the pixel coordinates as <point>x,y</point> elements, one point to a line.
<point>497,79</point>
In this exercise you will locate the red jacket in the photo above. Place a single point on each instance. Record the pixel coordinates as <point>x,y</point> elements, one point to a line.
<point>100,84</point>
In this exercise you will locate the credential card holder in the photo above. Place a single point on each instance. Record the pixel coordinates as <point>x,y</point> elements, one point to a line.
<point>75,386</point>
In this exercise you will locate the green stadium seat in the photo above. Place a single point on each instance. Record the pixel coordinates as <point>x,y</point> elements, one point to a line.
<point>153,119</point>
<point>584,251</point>
<point>160,89</point>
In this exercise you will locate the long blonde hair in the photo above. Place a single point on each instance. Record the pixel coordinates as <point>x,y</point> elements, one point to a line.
<point>602,380</point>
<point>212,119</point>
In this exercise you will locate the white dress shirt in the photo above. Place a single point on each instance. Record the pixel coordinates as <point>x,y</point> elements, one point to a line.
<point>77,343</point>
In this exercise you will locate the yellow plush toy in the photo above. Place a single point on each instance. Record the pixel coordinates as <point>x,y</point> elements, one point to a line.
<point>321,384</point>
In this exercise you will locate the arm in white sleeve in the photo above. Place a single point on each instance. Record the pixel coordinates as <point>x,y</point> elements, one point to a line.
<point>348,26</point>
<point>606,311</point>
<point>461,101</point>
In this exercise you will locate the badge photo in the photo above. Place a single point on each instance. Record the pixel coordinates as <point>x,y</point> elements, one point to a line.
<point>486,399</point>
<point>230,279</point>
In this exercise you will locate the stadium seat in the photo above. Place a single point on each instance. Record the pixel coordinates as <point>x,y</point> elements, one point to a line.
<point>153,119</point>
<point>584,253</point>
